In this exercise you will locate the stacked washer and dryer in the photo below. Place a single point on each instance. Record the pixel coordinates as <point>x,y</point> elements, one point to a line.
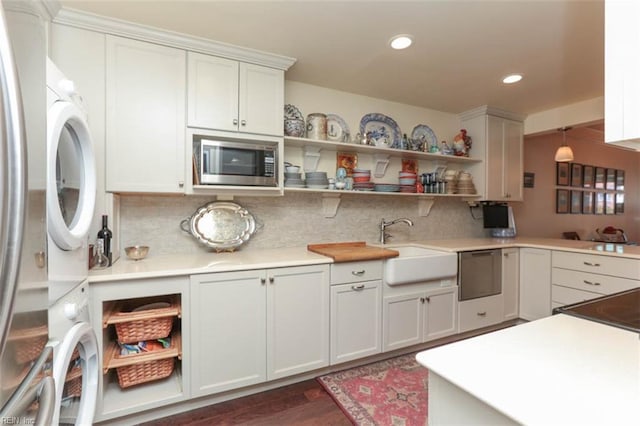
<point>71,193</point>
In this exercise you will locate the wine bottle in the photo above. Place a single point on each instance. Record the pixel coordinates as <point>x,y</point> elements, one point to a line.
<point>105,235</point>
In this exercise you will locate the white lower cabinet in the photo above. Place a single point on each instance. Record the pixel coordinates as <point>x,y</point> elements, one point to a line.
<point>356,293</point>
<point>417,313</point>
<point>510,282</point>
<point>535,283</point>
<point>253,326</point>
<point>355,320</point>
<point>481,312</point>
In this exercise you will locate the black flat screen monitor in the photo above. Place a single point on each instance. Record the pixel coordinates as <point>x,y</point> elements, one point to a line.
<point>495,215</point>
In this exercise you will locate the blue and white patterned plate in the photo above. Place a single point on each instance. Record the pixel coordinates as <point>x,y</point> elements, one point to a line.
<point>291,112</point>
<point>422,132</point>
<point>384,131</point>
<point>337,129</point>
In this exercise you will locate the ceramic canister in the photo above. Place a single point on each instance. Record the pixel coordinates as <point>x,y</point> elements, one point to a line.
<point>317,126</point>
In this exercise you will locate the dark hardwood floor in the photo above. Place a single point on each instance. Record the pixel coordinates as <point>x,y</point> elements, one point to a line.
<point>305,403</point>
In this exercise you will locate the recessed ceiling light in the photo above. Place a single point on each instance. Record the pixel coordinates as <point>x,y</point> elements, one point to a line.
<point>512,78</point>
<point>401,41</point>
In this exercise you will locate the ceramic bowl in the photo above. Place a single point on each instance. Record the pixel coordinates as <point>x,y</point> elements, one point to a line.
<point>407,181</point>
<point>295,128</point>
<point>136,252</point>
<point>292,169</point>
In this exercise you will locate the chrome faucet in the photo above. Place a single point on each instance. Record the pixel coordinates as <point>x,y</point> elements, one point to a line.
<point>383,226</point>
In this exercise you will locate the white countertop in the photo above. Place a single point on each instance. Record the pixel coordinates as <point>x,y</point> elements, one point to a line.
<point>557,370</point>
<point>204,262</point>
<point>198,263</point>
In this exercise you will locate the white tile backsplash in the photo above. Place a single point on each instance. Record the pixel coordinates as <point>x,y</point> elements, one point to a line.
<point>295,219</point>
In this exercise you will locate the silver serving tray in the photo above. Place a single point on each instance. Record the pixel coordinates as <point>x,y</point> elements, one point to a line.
<point>221,225</point>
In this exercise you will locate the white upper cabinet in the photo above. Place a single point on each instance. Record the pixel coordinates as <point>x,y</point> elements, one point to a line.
<point>234,96</point>
<point>145,117</point>
<point>622,73</point>
<point>497,136</point>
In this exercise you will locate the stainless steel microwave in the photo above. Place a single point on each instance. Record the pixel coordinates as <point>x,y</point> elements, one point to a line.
<point>231,161</point>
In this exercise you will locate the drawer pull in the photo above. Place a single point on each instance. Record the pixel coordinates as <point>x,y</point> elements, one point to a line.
<point>589,282</point>
<point>271,280</point>
<point>591,264</point>
<point>482,314</point>
<point>358,273</point>
<point>357,287</point>
<point>263,280</point>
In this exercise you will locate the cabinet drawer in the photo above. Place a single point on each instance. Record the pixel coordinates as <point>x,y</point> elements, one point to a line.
<point>478,313</point>
<point>606,265</point>
<point>561,296</point>
<point>353,272</point>
<point>595,283</point>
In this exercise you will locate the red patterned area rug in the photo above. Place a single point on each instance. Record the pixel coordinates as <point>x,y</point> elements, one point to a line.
<point>391,392</point>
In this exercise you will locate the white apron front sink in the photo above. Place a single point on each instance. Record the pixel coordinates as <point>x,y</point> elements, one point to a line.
<point>418,264</point>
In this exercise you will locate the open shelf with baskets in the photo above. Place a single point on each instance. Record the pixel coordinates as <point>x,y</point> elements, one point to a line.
<point>140,327</point>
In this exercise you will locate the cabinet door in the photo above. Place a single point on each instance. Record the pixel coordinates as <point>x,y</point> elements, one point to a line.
<point>228,312</point>
<point>535,283</point>
<point>512,160</point>
<point>504,159</point>
<point>297,320</point>
<point>261,100</point>
<point>622,70</point>
<point>440,313</point>
<point>510,282</point>
<point>402,321</point>
<point>145,110</point>
<point>355,320</point>
<point>212,96</point>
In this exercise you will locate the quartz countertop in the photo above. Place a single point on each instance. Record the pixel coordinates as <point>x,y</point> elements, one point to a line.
<point>557,370</point>
<point>205,262</point>
<point>466,244</point>
<point>199,263</point>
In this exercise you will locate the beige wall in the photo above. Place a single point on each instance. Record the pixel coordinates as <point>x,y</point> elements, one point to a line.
<point>536,216</point>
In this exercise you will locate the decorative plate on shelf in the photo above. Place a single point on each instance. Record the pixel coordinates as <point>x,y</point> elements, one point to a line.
<point>422,132</point>
<point>347,160</point>
<point>384,131</point>
<point>337,129</point>
<point>291,112</point>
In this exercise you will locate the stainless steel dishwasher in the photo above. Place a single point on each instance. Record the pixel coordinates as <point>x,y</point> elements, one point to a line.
<point>479,274</point>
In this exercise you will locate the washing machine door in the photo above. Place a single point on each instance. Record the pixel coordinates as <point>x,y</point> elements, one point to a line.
<point>71,175</point>
<point>75,372</point>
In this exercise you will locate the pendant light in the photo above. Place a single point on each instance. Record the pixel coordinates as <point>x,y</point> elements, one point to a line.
<point>564,153</point>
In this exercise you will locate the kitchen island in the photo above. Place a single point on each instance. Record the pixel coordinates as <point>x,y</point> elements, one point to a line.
<point>556,370</point>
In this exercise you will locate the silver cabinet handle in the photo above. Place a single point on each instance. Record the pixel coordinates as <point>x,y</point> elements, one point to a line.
<point>482,314</point>
<point>591,264</point>
<point>271,280</point>
<point>235,121</point>
<point>357,287</point>
<point>243,122</point>
<point>590,283</point>
<point>358,273</point>
<point>180,184</point>
<point>263,280</point>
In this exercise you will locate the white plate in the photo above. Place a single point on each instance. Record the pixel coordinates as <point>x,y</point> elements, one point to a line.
<point>157,305</point>
<point>384,130</point>
<point>337,129</point>
<point>424,132</point>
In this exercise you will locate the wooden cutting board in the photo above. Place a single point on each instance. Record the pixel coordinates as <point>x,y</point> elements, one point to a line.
<point>351,251</point>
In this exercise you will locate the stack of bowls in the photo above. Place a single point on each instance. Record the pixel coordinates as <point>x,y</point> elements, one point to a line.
<point>317,180</point>
<point>407,181</point>
<point>451,178</point>
<point>362,180</point>
<point>465,183</point>
<point>293,177</point>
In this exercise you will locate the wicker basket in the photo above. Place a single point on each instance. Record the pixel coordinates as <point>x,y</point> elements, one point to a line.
<point>151,324</point>
<point>73,382</point>
<point>28,343</point>
<point>144,372</point>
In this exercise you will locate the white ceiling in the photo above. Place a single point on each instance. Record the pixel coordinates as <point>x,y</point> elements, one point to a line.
<point>462,48</point>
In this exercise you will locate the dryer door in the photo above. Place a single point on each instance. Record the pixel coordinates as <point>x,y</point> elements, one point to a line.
<point>76,371</point>
<point>71,175</point>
